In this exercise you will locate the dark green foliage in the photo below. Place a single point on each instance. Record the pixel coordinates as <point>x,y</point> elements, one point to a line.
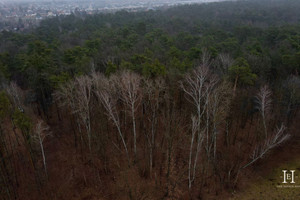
<point>154,43</point>
<point>154,69</point>
<point>5,63</point>
<point>242,72</point>
<point>4,105</point>
<point>110,68</point>
<point>23,122</point>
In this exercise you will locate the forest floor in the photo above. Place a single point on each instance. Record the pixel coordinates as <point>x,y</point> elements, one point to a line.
<point>75,177</point>
<point>265,178</point>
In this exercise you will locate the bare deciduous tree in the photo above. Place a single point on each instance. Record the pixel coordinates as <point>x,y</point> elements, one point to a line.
<point>197,86</point>
<point>264,101</point>
<point>130,93</point>
<point>66,97</point>
<point>16,93</point>
<point>276,139</point>
<point>153,90</point>
<point>17,96</point>
<point>41,132</point>
<point>224,61</point>
<point>83,94</point>
<point>210,88</point>
<point>260,150</point>
<point>205,58</point>
<point>195,125</point>
<point>218,109</point>
<point>106,93</point>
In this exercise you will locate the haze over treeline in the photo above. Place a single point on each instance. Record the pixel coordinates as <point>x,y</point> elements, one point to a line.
<point>116,1</point>
<point>111,1</point>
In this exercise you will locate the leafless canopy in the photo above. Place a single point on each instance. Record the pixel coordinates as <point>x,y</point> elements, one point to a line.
<point>264,100</point>
<point>105,91</point>
<point>264,103</point>
<point>197,84</point>
<point>41,132</point>
<point>16,94</point>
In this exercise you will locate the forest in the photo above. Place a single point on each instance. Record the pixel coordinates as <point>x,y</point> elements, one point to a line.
<point>177,103</point>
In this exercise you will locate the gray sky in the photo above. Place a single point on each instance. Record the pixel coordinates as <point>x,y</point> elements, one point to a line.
<point>74,0</point>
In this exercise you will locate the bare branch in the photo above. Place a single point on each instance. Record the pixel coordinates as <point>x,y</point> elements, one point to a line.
<point>261,150</point>
<point>16,94</point>
<point>225,61</point>
<point>41,132</point>
<point>264,102</point>
<point>128,84</point>
<point>105,92</point>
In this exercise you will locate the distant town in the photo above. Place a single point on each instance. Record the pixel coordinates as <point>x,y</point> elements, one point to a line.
<point>20,15</point>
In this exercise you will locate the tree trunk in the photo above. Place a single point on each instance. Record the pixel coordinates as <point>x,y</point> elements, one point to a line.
<point>235,84</point>
<point>134,132</point>
<point>44,158</point>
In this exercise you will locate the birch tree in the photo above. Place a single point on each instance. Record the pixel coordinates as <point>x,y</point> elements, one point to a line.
<point>197,87</point>
<point>153,90</point>
<point>278,137</point>
<point>218,109</point>
<point>129,84</point>
<point>209,100</point>
<point>264,101</point>
<point>65,96</point>
<point>106,93</point>
<point>40,133</point>
<point>224,62</point>
<point>16,94</point>
<point>83,94</point>
<point>195,125</point>
<point>261,150</point>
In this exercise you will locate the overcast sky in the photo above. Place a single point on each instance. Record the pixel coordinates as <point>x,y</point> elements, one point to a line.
<point>106,1</point>
<point>83,0</point>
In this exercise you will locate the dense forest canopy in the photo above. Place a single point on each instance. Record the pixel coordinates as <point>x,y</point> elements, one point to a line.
<point>216,80</point>
<point>263,33</point>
